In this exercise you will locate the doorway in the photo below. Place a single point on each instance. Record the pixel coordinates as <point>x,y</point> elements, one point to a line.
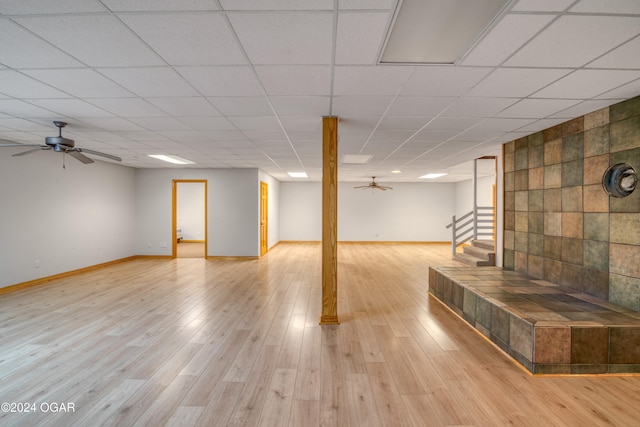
<point>189,219</point>
<point>264,218</point>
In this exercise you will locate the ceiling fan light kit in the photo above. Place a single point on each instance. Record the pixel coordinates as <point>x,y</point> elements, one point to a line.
<point>374,186</point>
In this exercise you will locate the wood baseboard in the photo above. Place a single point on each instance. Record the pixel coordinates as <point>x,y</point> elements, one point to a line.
<point>42,280</point>
<point>232,258</point>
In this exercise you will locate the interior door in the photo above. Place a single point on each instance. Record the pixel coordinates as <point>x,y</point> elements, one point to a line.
<point>264,218</point>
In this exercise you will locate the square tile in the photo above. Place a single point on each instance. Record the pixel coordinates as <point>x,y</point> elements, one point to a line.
<point>596,283</point>
<point>595,199</point>
<point>521,337</point>
<point>553,224</point>
<point>521,241</point>
<point>536,244</point>
<point>624,135</point>
<point>625,228</point>
<point>572,147</point>
<point>596,255</point>
<point>573,126</point>
<point>510,200</point>
<point>596,141</point>
<point>572,225</point>
<point>509,181</point>
<point>552,270</point>
<point>572,199</point>
<point>522,221</point>
<point>590,345</point>
<point>509,161</point>
<point>536,178</point>
<point>552,345</point>
<point>520,262</point>
<point>552,247</point>
<point>536,223</point>
<point>522,158</point>
<point>572,276</point>
<point>522,201</point>
<point>572,173</point>
<point>552,133</point>
<point>596,226</point>
<point>597,118</point>
<point>536,200</point>
<point>624,345</point>
<point>500,322</point>
<point>572,251</point>
<point>553,200</point>
<point>624,291</point>
<point>553,176</point>
<point>509,239</point>
<point>624,109</point>
<point>521,180</point>
<point>535,266</point>
<point>594,169</point>
<point>620,259</point>
<point>509,220</point>
<point>552,152</point>
<point>536,153</point>
<point>483,312</point>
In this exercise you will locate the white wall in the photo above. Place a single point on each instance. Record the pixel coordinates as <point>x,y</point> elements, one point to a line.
<point>464,194</point>
<point>66,219</point>
<point>410,212</point>
<point>233,211</point>
<point>190,210</point>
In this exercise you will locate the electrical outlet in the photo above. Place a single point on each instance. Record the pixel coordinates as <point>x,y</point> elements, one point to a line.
<point>36,263</point>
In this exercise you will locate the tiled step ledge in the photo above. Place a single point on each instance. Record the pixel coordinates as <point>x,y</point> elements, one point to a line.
<point>547,328</point>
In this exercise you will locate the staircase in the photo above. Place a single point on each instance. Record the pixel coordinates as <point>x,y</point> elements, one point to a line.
<point>479,254</point>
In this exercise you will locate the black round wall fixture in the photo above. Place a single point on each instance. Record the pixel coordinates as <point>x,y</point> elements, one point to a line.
<point>620,180</point>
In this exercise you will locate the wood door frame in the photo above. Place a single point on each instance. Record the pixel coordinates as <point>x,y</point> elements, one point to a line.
<point>174,215</point>
<point>264,212</point>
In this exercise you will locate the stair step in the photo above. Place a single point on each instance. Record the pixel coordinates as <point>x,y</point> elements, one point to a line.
<point>478,252</point>
<point>473,261</point>
<point>484,243</point>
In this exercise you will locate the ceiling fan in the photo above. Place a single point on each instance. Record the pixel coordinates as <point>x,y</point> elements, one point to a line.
<point>374,185</point>
<point>64,145</point>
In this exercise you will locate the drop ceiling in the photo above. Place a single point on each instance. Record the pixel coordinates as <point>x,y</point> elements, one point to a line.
<point>245,84</point>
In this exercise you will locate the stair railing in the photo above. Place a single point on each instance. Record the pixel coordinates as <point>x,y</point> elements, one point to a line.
<point>476,223</point>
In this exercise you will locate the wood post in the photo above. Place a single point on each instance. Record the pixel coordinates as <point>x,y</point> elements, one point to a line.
<point>329,221</point>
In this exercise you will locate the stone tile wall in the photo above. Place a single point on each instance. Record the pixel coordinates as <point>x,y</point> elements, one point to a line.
<point>559,224</point>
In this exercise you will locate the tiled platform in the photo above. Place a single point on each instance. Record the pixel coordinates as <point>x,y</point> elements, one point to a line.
<point>547,328</point>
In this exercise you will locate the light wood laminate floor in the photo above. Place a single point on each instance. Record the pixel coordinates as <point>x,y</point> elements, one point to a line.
<point>155,342</point>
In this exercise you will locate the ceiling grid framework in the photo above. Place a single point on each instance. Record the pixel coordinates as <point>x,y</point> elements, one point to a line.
<point>240,83</point>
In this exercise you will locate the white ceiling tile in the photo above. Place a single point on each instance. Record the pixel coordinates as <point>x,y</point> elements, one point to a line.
<point>362,105</point>
<point>368,80</point>
<point>453,123</point>
<point>317,106</point>
<point>127,107</point>
<point>367,4</point>
<point>209,39</point>
<point>222,81</point>
<point>24,125</point>
<point>185,106</point>
<point>436,135</point>
<point>627,91</point>
<point>265,135</point>
<point>478,107</point>
<point>16,41</point>
<point>113,124</point>
<point>292,123</point>
<point>159,5</point>
<point>355,123</point>
<point>506,37</point>
<point>502,124</point>
<point>295,79</point>
<point>96,40</point>
<point>242,105</point>
<point>276,5</point>
<point>150,81</point>
<point>158,124</point>
<point>26,7</point>
<point>17,108</point>
<point>285,37</point>
<point>182,135</point>
<point>587,83</point>
<point>535,108</point>
<point>443,80</point>
<point>541,5</point>
<point>80,82</point>
<point>584,107</point>
<point>516,82</point>
<point>17,85</point>
<point>573,41</point>
<point>625,56</point>
<point>208,123</point>
<point>71,107</point>
<point>360,37</point>
<point>403,123</point>
<point>422,106</point>
<point>256,123</point>
<point>631,7</point>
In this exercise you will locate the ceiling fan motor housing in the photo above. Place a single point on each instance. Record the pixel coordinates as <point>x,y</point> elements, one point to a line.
<point>59,140</point>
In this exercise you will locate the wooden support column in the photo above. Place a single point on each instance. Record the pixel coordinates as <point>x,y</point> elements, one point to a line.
<point>329,221</point>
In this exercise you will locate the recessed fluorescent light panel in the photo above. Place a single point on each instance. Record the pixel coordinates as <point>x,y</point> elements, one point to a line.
<point>172,159</point>
<point>433,175</point>
<point>355,159</point>
<point>298,174</point>
<point>439,31</point>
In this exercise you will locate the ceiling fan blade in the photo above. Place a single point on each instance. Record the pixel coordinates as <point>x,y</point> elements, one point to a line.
<point>30,151</point>
<point>79,156</point>
<point>363,186</point>
<point>98,153</point>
